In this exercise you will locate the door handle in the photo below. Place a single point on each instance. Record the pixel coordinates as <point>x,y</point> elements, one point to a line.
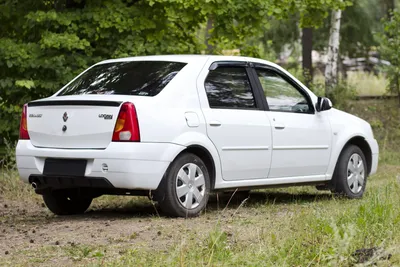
<point>215,123</point>
<point>279,126</point>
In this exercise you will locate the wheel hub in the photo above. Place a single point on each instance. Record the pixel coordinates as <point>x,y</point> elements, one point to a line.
<point>355,173</point>
<point>190,186</point>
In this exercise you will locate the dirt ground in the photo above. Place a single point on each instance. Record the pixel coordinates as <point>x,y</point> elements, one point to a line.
<point>29,228</point>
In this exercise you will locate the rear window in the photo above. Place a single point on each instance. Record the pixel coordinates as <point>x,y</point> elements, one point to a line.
<point>143,78</point>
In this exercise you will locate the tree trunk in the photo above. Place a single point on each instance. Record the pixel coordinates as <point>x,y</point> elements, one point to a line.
<point>331,73</point>
<point>397,85</point>
<point>306,43</point>
<point>342,68</point>
<point>75,4</point>
<point>60,5</point>
<point>389,6</point>
<point>210,23</point>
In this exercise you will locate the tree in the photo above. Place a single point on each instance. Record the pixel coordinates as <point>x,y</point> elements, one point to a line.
<point>388,6</point>
<point>45,43</point>
<point>314,11</point>
<point>333,53</point>
<point>307,45</point>
<point>390,47</point>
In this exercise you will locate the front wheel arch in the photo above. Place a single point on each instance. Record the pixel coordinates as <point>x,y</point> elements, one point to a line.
<point>365,148</point>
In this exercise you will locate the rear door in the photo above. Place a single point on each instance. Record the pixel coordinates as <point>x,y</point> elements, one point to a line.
<point>301,136</point>
<point>236,122</point>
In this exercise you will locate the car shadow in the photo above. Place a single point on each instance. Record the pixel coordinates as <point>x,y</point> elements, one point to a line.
<point>255,199</point>
<point>217,202</point>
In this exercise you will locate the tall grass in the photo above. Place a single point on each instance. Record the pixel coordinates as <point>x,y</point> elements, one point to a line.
<point>368,84</point>
<point>364,83</point>
<point>10,185</point>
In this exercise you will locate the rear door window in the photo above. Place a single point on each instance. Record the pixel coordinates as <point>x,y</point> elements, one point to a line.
<point>143,78</point>
<point>229,87</point>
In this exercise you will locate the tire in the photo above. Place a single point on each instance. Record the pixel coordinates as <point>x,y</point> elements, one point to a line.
<point>179,180</point>
<point>62,202</point>
<point>345,170</point>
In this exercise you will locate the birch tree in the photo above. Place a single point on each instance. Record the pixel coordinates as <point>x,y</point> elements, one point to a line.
<point>331,70</point>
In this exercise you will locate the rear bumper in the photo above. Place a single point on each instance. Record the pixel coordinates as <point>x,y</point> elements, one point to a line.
<point>43,182</point>
<point>128,165</point>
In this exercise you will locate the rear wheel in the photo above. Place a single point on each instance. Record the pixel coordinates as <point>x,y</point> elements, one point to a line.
<point>64,202</point>
<point>185,188</point>
<point>350,175</point>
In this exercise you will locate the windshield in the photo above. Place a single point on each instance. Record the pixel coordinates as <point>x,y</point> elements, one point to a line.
<point>144,78</point>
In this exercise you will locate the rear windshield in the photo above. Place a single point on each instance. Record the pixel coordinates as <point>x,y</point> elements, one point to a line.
<point>144,78</point>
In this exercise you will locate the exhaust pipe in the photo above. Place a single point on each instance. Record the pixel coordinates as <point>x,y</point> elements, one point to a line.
<point>34,185</point>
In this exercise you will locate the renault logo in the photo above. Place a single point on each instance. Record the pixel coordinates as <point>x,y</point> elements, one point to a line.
<point>65,116</point>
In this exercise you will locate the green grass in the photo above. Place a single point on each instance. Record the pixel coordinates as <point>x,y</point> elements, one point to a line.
<point>365,84</point>
<point>318,233</point>
<point>274,227</point>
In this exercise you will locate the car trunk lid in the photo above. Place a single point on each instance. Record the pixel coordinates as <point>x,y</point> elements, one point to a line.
<point>87,123</point>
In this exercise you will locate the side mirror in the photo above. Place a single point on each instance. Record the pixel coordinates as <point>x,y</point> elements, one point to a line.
<point>323,104</point>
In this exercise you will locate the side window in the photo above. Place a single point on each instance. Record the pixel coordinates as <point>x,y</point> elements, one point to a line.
<point>281,95</point>
<point>229,87</point>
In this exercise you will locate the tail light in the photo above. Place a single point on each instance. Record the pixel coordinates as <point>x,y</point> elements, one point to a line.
<point>127,125</point>
<point>23,128</point>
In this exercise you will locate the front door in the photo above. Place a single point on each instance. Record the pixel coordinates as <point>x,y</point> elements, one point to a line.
<point>237,124</point>
<point>301,136</point>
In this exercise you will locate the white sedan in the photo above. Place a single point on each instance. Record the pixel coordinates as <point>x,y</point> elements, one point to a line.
<point>178,127</point>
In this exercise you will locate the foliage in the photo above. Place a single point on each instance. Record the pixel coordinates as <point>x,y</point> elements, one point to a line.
<point>44,44</point>
<point>342,93</point>
<point>359,24</point>
<point>390,46</point>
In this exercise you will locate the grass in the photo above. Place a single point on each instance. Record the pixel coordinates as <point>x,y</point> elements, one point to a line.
<point>367,84</point>
<point>364,83</point>
<point>317,233</point>
<point>280,231</point>
<point>274,227</point>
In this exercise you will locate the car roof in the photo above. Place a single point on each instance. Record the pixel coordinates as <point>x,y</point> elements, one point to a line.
<point>189,58</point>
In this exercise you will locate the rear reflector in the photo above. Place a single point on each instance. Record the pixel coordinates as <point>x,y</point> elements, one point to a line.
<point>127,125</point>
<point>23,128</point>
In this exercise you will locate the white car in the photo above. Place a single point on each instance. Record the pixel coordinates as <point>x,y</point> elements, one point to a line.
<point>178,127</point>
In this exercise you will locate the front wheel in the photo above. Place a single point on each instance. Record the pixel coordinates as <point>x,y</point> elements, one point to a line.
<point>350,175</point>
<point>63,202</point>
<point>185,188</point>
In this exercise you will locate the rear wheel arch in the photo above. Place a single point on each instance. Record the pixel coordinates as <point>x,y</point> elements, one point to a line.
<point>206,157</point>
